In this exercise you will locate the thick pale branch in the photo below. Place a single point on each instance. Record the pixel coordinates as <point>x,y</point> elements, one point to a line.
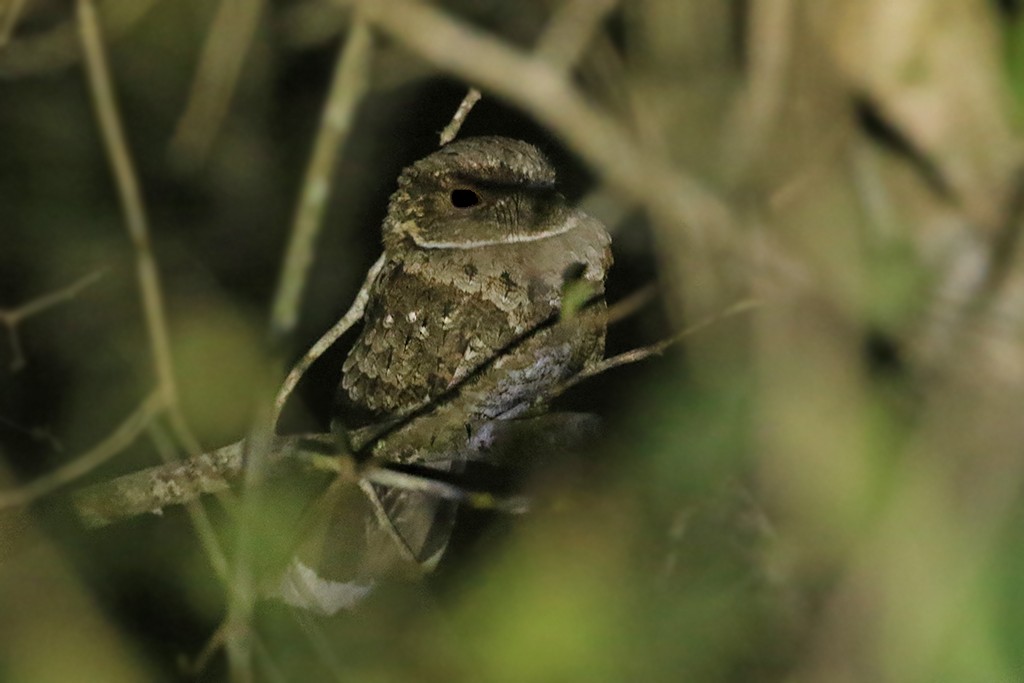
<point>497,441</point>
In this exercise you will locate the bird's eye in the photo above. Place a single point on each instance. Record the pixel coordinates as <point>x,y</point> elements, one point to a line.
<point>463,199</point>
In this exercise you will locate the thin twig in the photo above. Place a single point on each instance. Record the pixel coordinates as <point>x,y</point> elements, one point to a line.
<point>645,352</point>
<point>632,303</point>
<point>351,317</point>
<point>455,125</point>
<point>113,444</point>
<point>351,81</point>
<point>12,317</point>
<point>105,103</point>
<point>407,481</point>
<point>34,433</point>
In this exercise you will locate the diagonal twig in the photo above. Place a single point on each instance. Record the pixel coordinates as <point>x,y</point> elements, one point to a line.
<point>11,318</point>
<point>351,317</point>
<point>225,49</point>
<point>105,103</point>
<point>645,352</point>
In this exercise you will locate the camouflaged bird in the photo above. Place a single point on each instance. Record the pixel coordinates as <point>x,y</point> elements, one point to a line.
<point>465,320</point>
<point>479,248</point>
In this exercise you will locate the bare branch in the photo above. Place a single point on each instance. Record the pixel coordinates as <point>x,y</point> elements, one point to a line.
<point>105,103</point>
<point>118,440</point>
<point>351,81</point>
<point>481,500</point>
<point>645,352</point>
<point>455,125</point>
<point>157,487</point>
<point>351,317</point>
<point>562,44</point>
<point>570,30</point>
<point>495,441</point>
<point>12,317</point>
<point>9,20</point>
<point>642,174</point>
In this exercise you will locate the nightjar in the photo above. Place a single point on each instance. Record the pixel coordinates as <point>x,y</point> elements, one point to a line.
<point>465,320</point>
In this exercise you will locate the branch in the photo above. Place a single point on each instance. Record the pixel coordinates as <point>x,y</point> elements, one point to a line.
<point>645,352</point>
<point>223,55</point>
<point>570,30</point>
<point>455,125</point>
<point>351,81</point>
<point>542,90</point>
<point>59,48</point>
<point>562,44</point>
<point>105,103</point>
<point>12,317</point>
<point>628,305</point>
<point>495,441</point>
<point>351,317</point>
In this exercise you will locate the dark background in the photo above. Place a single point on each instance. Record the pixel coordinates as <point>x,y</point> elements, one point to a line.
<point>825,487</point>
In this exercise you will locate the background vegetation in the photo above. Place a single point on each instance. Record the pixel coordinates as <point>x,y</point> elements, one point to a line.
<point>826,487</point>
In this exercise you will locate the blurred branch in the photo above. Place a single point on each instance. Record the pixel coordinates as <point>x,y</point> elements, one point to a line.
<point>770,42</point>
<point>116,442</point>
<point>562,44</point>
<point>104,101</point>
<point>645,352</point>
<point>543,91</point>
<point>59,48</point>
<point>632,303</point>
<point>220,66</point>
<point>567,34</point>
<point>11,318</point>
<point>9,20</point>
<point>351,81</point>
<point>349,85</point>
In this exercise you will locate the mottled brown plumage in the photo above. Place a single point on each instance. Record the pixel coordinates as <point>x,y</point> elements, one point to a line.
<point>479,249</point>
<point>463,282</point>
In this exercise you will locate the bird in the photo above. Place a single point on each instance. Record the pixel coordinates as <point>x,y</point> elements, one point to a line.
<point>478,248</point>
<point>467,322</point>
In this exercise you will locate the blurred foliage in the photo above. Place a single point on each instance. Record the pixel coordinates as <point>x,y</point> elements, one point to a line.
<point>828,488</point>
